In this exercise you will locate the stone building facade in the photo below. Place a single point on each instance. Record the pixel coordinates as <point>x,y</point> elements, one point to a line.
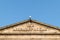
<point>29,30</point>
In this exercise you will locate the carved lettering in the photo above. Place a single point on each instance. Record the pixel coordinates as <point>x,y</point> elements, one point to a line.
<point>29,29</point>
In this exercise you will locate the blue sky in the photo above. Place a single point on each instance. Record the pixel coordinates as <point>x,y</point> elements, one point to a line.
<point>46,11</point>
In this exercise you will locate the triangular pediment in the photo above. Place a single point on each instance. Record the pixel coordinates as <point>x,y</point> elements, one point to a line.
<point>29,27</point>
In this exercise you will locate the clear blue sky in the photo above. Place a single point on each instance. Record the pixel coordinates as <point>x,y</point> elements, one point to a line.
<point>46,11</point>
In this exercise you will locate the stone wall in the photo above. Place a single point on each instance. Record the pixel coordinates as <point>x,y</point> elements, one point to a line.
<point>29,37</point>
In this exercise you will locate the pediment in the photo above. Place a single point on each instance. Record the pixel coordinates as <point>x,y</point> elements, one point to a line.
<point>29,27</point>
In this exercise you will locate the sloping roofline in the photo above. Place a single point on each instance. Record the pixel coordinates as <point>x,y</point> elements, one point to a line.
<point>29,20</point>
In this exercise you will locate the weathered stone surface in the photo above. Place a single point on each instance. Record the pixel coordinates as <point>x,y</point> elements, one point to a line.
<point>30,30</point>
<point>29,37</point>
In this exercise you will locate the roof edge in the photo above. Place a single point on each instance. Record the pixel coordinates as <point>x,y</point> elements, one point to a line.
<point>29,20</point>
